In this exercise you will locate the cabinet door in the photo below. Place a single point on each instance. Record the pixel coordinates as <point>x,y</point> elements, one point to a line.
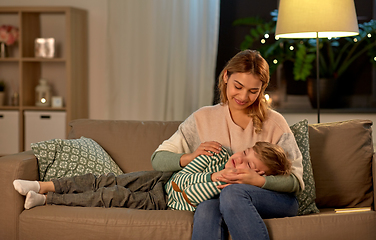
<point>9,132</point>
<point>43,125</point>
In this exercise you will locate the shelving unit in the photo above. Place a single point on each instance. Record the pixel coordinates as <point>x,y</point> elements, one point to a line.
<point>66,72</point>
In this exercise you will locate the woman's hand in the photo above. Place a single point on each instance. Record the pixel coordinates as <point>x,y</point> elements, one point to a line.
<point>245,176</point>
<point>203,149</point>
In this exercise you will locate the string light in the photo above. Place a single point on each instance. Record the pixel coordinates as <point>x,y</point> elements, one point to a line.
<point>268,98</point>
<point>355,40</point>
<point>291,48</point>
<point>266,35</point>
<point>277,38</point>
<point>275,61</point>
<point>369,35</point>
<point>374,59</point>
<point>263,41</point>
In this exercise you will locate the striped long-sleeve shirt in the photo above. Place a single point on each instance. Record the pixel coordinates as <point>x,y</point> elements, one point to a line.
<point>195,180</point>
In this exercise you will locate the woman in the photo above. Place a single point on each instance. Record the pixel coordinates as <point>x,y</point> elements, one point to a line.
<point>241,119</point>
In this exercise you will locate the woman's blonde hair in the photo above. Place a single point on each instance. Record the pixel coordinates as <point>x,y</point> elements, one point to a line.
<point>248,61</point>
<point>274,157</point>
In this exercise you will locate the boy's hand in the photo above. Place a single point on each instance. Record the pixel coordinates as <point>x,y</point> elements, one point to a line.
<point>245,176</point>
<point>203,149</point>
<point>215,176</point>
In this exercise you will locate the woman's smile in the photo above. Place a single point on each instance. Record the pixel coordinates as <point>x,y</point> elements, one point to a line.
<point>242,103</point>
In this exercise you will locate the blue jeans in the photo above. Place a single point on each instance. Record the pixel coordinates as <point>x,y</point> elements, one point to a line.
<point>239,210</point>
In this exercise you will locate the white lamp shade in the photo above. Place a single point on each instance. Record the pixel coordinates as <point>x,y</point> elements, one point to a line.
<point>306,18</point>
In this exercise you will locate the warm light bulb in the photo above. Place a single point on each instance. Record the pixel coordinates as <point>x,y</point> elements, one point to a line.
<point>263,41</point>
<point>43,100</point>
<point>277,38</point>
<point>275,61</point>
<point>291,48</point>
<point>369,35</point>
<point>374,59</point>
<point>266,35</point>
<point>268,98</point>
<point>355,40</point>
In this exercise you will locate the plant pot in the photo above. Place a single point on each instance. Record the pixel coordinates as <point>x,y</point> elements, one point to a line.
<point>330,97</point>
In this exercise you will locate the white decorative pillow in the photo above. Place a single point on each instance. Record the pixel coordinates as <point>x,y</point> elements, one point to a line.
<point>66,158</point>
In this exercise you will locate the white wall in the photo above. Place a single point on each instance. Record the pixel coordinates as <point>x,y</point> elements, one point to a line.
<point>97,17</point>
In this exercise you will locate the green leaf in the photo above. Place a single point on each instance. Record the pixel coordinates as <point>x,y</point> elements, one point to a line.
<point>303,63</point>
<point>250,21</point>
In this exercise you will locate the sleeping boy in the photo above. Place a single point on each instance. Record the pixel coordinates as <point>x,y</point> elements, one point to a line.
<point>185,189</point>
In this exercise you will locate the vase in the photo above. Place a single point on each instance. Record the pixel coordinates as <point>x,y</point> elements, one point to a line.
<point>2,96</point>
<point>3,50</point>
<point>330,97</point>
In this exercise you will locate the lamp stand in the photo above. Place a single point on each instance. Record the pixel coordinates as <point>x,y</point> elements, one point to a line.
<point>318,77</point>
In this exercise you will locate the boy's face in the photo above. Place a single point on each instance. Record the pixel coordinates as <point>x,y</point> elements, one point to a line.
<point>246,159</point>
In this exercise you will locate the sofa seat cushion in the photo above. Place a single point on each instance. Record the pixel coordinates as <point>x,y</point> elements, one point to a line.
<point>103,223</point>
<point>121,223</point>
<point>324,225</point>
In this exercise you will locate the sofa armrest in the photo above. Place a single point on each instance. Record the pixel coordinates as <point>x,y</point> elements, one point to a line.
<point>17,166</point>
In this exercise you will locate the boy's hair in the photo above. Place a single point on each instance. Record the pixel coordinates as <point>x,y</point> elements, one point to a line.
<point>274,157</point>
<point>250,62</point>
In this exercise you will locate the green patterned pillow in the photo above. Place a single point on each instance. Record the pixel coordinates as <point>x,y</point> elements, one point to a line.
<point>307,197</point>
<point>66,158</point>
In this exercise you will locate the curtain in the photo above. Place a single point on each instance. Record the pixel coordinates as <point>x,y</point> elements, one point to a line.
<point>161,57</point>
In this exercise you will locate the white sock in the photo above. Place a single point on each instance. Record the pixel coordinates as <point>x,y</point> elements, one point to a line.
<point>34,199</point>
<point>24,186</point>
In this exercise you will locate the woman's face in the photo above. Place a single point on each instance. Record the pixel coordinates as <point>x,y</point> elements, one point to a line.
<point>242,90</point>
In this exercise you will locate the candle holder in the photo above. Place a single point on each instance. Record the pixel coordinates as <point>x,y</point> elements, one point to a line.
<point>43,94</point>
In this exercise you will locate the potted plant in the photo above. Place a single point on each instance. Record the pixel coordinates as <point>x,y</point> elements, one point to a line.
<point>336,55</point>
<point>2,88</point>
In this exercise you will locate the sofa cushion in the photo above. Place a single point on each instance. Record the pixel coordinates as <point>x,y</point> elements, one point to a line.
<point>306,198</point>
<point>341,155</point>
<point>65,158</point>
<point>325,225</point>
<point>121,139</point>
<point>104,223</point>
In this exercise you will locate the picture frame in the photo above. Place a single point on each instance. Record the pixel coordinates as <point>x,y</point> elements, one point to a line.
<point>57,102</point>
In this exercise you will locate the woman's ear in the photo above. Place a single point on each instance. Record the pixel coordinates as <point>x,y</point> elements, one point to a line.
<point>225,77</point>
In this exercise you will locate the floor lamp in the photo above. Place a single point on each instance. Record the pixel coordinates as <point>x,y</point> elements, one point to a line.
<point>316,19</point>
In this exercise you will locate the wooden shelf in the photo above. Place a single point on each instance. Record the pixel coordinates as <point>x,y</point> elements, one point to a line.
<point>9,59</point>
<point>66,74</point>
<point>9,108</point>
<point>43,59</point>
<point>34,108</point>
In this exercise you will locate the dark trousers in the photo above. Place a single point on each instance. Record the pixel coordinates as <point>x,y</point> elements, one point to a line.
<point>140,190</point>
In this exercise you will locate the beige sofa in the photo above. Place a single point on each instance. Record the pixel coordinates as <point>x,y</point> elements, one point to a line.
<point>343,163</point>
